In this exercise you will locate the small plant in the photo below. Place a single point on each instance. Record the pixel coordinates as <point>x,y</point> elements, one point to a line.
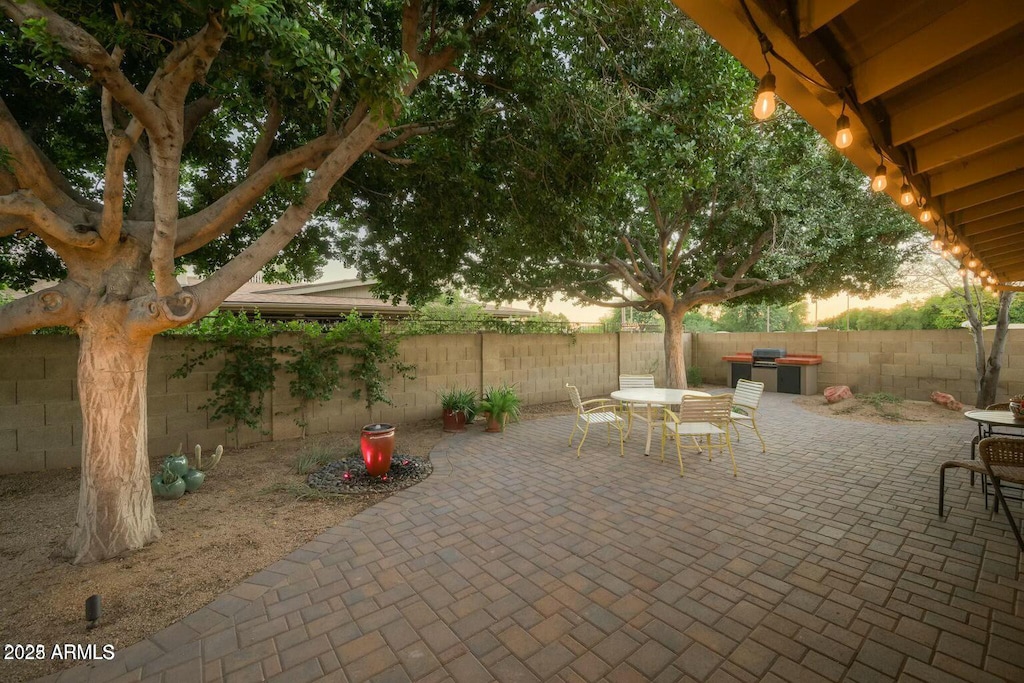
<point>167,484</point>
<point>694,377</point>
<point>503,404</point>
<point>311,458</point>
<point>459,401</point>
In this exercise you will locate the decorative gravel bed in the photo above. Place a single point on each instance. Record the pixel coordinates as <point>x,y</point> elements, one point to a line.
<point>349,475</point>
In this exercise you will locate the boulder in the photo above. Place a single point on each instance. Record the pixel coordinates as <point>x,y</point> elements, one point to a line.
<point>838,393</point>
<point>946,401</point>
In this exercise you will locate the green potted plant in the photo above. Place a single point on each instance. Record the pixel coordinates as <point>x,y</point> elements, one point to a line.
<point>501,404</point>
<point>458,407</point>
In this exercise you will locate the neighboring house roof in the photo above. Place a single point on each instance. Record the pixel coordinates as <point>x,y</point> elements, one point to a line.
<point>298,301</point>
<point>304,301</point>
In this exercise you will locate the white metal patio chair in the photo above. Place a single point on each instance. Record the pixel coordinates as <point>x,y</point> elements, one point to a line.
<point>743,413</point>
<point>699,416</point>
<point>595,411</point>
<point>634,382</point>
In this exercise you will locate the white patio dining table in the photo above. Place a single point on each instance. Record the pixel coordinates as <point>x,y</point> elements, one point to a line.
<point>653,398</point>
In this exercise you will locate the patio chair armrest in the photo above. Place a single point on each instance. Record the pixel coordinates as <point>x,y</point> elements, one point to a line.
<point>602,401</point>
<point>609,407</point>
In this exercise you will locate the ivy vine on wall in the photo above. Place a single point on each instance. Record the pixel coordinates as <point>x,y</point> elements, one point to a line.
<point>313,361</point>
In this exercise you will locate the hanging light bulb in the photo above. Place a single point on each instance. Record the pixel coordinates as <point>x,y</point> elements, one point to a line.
<point>906,194</point>
<point>988,288</point>
<point>945,253</point>
<point>936,244</point>
<point>956,249</point>
<point>972,263</point>
<point>983,273</point>
<point>926,213</point>
<point>844,137</point>
<point>991,280</point>
<point>764,106</point>
<point>961,271</point>
<point>879,182</point>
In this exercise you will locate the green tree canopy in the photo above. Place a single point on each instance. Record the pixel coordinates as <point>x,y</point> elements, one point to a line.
<point>632,176</point>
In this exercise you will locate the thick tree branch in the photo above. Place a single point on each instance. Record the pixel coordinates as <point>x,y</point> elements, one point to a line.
<point>261,150</point>
<point>195,112</point>
<point>32,170</point>
<point>44,222</point>
<point>59,305</point>
<point>756,250</point>
<point>142,204</point>
<point>187,63</point>
<point>219,217</point>
<point>212,291</point>
<point>86,51</point>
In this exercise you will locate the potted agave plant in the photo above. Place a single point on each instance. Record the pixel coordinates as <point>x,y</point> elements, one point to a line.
<point>176,476</point>
<point>501,404</point>
<point>458,407</point>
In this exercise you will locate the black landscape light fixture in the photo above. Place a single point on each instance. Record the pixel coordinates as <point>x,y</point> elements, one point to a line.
<point>93,610</point>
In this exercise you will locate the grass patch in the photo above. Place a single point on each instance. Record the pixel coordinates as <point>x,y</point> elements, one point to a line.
<point>311,458</point>
<point>887,405</point>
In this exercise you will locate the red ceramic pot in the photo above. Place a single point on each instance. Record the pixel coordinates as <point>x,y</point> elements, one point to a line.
<point>377,443</point>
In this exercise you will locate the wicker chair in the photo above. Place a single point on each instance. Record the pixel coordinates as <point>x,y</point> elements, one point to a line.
<point>985,430</point>
<point>600,411</point>
<point>744,408</point>
<point>1001,458</point>
<point>705,416</point>
<point>633,382</point>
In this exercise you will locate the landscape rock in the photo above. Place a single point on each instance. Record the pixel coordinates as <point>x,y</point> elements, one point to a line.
<point>946,401</point>
<point>838,393</point>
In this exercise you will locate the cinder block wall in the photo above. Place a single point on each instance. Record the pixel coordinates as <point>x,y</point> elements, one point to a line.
<point>908,363</point>
<point>40,417</point>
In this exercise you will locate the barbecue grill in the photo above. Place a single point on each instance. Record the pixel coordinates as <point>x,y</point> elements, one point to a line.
<point>767,357</point>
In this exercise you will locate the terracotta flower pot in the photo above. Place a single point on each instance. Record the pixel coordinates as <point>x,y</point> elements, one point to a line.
<point>454,420</point>
<point>494,425</point>
<point>377,443</point>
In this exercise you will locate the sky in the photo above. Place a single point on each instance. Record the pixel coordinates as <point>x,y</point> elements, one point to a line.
<point>826,308</point>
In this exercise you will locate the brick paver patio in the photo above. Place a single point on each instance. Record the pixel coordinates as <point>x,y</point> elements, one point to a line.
<point>824,560</point>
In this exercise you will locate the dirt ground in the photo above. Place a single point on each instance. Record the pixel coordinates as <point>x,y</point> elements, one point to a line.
<point>879,410</point>
<point>212,540</point>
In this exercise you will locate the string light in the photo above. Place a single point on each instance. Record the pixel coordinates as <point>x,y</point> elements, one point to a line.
<point>764,106</point>
<point>844,137</point>
<point>991,280</point>
<point>936,244</point>
<point>983,273</point>
<point>962,272</point>
<point>956,249</point>
<point>906,194</point>
<point>988,288</point>
<point>879,182</point>
<point>972,263</point>
<point>926,213</point>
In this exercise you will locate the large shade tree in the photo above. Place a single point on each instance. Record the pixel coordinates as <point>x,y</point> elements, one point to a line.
<point>635,178</point>
<point>138,136</point>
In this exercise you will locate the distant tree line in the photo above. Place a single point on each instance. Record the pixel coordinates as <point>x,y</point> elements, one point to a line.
<point>939,312</point>
<point>750,317</point>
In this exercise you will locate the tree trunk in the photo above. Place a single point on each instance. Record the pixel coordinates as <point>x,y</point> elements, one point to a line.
<point>675,362</point>
<point>115,505</point>
<point>988,375</point>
